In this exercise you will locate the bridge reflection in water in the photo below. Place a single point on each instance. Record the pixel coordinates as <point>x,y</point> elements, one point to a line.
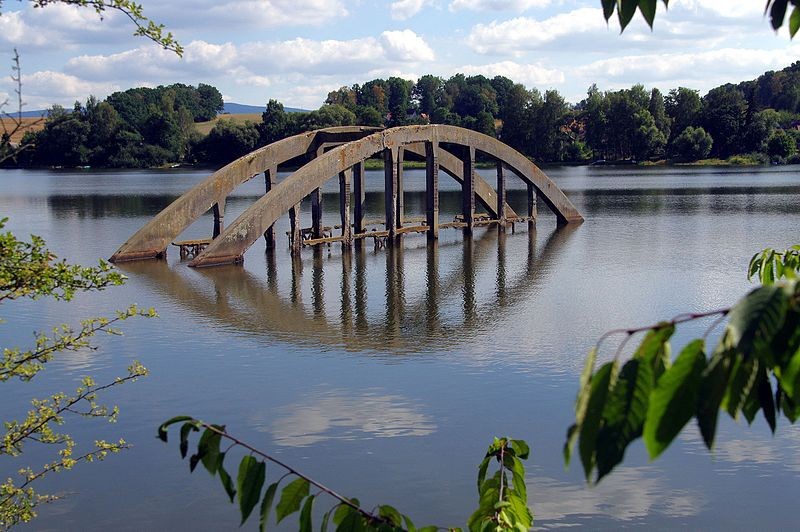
<point>332,299</point>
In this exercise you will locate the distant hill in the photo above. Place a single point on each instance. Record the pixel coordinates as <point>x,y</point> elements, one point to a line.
<point>242,109</point>
<point>32,114</point>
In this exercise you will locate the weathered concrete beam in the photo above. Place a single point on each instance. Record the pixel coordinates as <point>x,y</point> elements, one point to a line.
<point>235,240</point>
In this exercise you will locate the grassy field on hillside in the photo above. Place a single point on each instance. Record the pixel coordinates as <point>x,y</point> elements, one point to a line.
<point>32,124</point>
<point>204,128</point>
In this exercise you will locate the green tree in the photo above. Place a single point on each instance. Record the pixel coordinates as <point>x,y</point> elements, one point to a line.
<point>781,144</point>
<point>227,141</point>
<point>683,108</point>
<point>723,116</point>
<point>398,100</point>
<point>658,110</point>
<point>692,144</point>
<point>427,92</point>
<point>647,141</point>
<point>275,123</point>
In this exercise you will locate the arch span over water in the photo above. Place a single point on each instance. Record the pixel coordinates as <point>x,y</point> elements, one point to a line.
<point>451,148</point>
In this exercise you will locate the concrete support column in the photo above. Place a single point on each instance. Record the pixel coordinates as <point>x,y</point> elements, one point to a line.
<point>359,197</point>
<point>344,205</point>
<point>390,189</point>
<point>501,194</point>
<point>270,180</point>
<point>295,239</point>
<point>316,213</point>
<point>531,205</point>
<point>219,215</point>
<point>400,198</point>
<point>432,189</point>
<point>468,188</point>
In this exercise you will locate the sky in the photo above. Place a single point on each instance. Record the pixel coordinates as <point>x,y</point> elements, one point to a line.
<point>296,51</point>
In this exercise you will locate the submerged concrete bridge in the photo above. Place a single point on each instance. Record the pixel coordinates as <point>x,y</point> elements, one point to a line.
<point>341,152</point>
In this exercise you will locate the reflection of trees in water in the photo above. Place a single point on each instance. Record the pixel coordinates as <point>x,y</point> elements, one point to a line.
<point>450,309</point>
<point>107,206</point>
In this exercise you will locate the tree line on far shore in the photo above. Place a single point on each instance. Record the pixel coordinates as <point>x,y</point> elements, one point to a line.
<point>754,121</point>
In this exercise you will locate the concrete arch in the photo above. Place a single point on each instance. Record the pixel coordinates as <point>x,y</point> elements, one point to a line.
<point>231,245</point>
<point>152,239</point>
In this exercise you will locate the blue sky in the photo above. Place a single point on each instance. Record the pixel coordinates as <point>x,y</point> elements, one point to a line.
<point>297,51</point>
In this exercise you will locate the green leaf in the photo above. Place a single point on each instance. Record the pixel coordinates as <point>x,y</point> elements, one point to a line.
<point>648,10</point>
<point>291,496</point>
<point>249,483</point>
<point>790,377</point>
<point>208,448</point>
<point>185,430</point>
<point>353,522</point>
<point>390,514</point>
<point>674,399</point>
<point>756,318</point>
<point>581,403</point>
<point>162,429</point>
<point>654,349</point>
<point>624,414</point>
<point>482,471</point>
<point>325,518</point>
<point>712,389</point>
<point>342,511</point>
<point>266,505</point>
<point>305,515</point>
<point>766,400</point>
<point>625,10</point>
<point>740,383</point>
<point>227,483</point>
<point>608,8</point>
<point>587,445</point>
<point>521,448</point>
<point>777,13</point>
<point>409,524</point>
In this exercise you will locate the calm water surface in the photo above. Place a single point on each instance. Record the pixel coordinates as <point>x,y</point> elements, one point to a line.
<point>386,373</point>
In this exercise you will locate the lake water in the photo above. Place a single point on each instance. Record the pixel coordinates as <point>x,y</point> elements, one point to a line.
<point>385,374</point>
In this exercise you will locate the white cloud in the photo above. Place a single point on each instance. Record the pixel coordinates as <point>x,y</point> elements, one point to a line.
<point>404,9</point>
<point>405,46</point>
<point>700,70</point>
<point>527,74</point>
<point>247,13</point>
<point>40,87</point>
<point>497,5</point>
<point>723,8</point>
<point>524,33</point>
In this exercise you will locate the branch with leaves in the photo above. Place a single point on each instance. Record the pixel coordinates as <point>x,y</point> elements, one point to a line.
<point>754,367</point>
<point>28,270</point>
<point>145,27</point>
<point>503,503</point>
<point>626,9</point>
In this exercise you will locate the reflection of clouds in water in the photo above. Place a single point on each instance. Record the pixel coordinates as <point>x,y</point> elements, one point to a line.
<point>630,493</point>
<point>756,446</point>
<point>339,415</point>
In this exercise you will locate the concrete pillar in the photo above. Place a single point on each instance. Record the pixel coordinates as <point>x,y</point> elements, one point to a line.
<point>531,205</point>
<point>219,215</point>
<point>344,205</point>
<point>295,238</point>
<point>501,194</point>
<point>316,213</point>
<point>400,198</point>
<point>390,189</point>
<point>468,188</point>
<point>270,180</point>
<point>359,197</point>
<point>432,189</point>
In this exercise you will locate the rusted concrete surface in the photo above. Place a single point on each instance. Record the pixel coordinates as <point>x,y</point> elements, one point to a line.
<point>231,245</point>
